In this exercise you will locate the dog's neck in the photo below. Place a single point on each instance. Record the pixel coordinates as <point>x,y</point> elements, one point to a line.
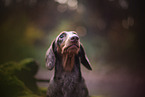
<point>67,64</point>
<point>68,61</point>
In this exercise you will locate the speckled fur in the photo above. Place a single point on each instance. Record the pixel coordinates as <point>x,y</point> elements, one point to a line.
<point>67,84</point>
<point>67,80</point>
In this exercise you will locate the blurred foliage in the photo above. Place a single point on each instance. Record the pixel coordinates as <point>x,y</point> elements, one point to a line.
<point>17,79</point>
<point>28,27</point>
<point>23,30</point>
<point>109,29</point>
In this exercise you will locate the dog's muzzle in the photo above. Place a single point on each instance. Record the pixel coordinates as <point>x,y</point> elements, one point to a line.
<point>72,44</point>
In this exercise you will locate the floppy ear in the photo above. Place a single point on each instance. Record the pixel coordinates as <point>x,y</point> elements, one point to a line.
<point>84,58</point>
<point>50,57</point>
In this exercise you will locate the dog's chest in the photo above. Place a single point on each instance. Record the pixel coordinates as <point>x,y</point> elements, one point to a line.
<point>69,80</point>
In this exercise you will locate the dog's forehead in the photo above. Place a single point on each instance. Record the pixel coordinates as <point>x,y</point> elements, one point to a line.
<point>68,33</point>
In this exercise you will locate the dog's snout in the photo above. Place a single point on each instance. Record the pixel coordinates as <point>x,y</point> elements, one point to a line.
<point>74,38</point>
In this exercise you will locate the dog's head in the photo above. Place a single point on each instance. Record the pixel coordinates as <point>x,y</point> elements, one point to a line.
<point>67,45</point>
<point>68,42</point>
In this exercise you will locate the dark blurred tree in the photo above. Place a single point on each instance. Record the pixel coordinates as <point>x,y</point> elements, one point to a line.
<point>121,22</point>
<point>23,27</point>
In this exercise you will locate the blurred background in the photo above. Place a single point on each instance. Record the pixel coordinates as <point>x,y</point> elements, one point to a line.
<point>112,32</point>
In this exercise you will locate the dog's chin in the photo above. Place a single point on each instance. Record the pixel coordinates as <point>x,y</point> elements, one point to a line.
<point>72,49</point>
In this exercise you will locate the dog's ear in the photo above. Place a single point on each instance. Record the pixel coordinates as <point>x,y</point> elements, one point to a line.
<point>84,58</point>
<point>50,56</point>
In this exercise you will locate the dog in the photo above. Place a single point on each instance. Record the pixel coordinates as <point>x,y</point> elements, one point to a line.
<point>65,54</point>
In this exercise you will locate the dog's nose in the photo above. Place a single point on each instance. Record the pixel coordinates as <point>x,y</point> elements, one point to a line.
<point>74,39</point>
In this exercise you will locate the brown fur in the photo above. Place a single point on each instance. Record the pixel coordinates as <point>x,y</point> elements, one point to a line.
<point>68,61</point>
<point>68,55</point>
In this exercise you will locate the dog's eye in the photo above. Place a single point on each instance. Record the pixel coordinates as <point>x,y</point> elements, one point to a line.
<point>62,35</point>
<point>61,38</point>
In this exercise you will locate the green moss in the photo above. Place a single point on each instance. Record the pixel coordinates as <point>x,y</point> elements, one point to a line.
<point>11,86</point>
<point>43,91</point>
<point>29,65</point>
<point>17,79</point>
